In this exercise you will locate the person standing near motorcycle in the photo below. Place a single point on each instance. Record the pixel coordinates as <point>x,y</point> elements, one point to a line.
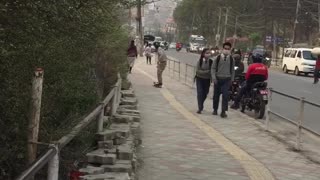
<point>161,65</point>
<point>222,72</point>
<point>257,72</point>
<point>203,77</point>
<point>317,71</point>
<point>238,63</point>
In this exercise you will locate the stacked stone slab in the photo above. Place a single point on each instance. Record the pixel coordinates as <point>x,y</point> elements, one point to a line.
<point>115,155</point>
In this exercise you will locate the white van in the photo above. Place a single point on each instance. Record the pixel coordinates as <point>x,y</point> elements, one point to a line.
<point>298,60</point>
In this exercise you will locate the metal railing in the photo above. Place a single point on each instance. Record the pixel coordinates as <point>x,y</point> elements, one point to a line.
<point>184,71</point>
<point>300,118</point>
<point>51,156</point>
<point>190,74</point>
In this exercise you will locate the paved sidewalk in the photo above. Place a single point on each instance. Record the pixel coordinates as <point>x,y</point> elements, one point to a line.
<point>179,144</point>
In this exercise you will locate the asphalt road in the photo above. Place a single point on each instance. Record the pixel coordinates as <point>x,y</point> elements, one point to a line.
<point>290,84</point>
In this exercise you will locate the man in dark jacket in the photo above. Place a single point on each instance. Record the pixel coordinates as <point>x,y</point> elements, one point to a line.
<point>238,63</point>
<point>257,72</point>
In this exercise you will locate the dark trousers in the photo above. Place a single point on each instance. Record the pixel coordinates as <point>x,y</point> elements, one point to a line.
<point>203,86</point>
<point>316,75</point>
<point>148,59</point>
<point>221,87</point>
<point>246,86</point>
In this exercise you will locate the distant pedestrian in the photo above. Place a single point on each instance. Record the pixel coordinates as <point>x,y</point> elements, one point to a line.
<point>317,71</point>
<point>238,63</point>
<point>222,75</point>
<point>148,53</point>
<point>132,54</point>
<point>161,65</point>
<point>203,77</point>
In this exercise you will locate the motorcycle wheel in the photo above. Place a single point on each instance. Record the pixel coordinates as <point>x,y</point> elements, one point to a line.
<point>259,111</point>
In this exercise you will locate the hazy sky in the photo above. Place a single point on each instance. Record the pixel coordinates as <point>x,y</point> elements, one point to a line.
<point>165,10</point>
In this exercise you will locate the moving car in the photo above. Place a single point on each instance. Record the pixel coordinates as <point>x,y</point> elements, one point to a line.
<point>196,43</point>
<point>172,46</point>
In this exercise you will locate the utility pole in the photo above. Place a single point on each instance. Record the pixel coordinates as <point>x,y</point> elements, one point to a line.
<point>140,29</point>
<point>218,35</point>
<point>274,40</point>
<point>34,121</point>
<point>191,31</point>
<point>295,23</point>
<point>235,32</point>
<point>225,24</point>
<point>319,15</point>
<point>265,25</point>
<point>130,17</point>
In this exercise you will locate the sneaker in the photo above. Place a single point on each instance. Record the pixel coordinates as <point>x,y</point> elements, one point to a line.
<point>215,113</point>
<point>223,115</point>
<point>158,85</point>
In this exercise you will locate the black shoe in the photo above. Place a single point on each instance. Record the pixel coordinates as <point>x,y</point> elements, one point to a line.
<point>235,106</point>
<point>158,85</point>
<point>223,115</point>
<point>199,112</point>
<point>215,113</point>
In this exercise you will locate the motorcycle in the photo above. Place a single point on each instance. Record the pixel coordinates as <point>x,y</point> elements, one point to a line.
<point>256,99</point>
<point>178,47</point>
<point>235,85</point>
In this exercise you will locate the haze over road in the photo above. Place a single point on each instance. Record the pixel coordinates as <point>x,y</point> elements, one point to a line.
<point>290,84</point>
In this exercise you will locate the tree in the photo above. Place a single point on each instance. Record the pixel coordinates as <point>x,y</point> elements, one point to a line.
<point>201,17</point>
<point>255,39</point>
<point>70,40</point>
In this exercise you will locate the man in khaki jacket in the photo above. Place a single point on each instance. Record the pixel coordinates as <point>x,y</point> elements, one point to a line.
<point>161,65</point>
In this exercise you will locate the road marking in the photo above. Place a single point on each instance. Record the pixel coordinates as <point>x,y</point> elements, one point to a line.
<point>255,169</point>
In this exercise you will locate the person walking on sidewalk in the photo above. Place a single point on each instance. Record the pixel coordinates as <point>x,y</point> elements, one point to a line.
<point>148,53</point>
<point>132,54</point>
<point>317,71</point>
<point>222,72</point>
<point>203,77</point>
<point>161,65</point>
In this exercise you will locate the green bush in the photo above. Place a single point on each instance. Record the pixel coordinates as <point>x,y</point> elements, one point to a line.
<point>69,40</point>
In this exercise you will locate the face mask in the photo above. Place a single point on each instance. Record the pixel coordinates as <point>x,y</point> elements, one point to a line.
<point>226,52</point>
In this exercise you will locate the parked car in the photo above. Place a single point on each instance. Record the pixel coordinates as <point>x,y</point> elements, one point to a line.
<point>298,60</point>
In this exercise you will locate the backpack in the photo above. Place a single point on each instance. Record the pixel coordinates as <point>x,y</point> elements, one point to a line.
<point>218,60</point>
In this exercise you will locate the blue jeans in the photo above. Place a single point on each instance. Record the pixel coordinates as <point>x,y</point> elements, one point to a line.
<point>222,87</point>
<point>203,86</point>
